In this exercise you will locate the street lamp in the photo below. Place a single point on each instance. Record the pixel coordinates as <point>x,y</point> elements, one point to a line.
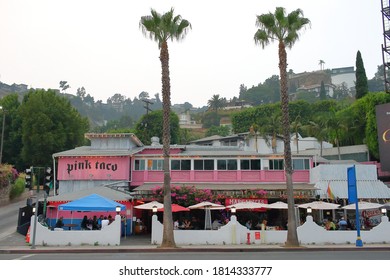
<point>118,209</point>
<point>154,209</point>
<point>309,210</point>
<point>384,211</point>
<point>2,135</point>
<point>233,210</point>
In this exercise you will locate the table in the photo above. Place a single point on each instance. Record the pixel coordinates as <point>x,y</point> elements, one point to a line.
<point>70,226</point>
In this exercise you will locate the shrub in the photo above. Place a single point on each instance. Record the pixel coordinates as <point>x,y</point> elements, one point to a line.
<point>17,188</point>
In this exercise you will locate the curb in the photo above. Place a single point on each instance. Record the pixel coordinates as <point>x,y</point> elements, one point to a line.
<point>159,250</point>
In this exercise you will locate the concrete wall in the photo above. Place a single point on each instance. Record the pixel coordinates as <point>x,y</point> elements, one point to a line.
<point>109,235</point>
<point>308,233</point>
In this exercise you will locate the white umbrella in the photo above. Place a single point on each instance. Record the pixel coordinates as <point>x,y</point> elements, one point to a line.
<point>207,206</point>
<point>319,205</point>
<point>278,205</point>
<point>150,205</point>
<point>248,205</point>
<point>363,205</point>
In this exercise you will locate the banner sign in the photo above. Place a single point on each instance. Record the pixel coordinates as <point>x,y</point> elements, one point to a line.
<point>383,124</point>
<point>93,168</point>
<point>352,189</point>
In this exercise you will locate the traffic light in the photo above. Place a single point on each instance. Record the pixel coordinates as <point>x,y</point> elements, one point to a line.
<point>48,180</point>
<point>29,181</point>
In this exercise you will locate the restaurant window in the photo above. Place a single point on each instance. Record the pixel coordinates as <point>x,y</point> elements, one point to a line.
<point>227,164</point>
<point>250,164</point>
<point>301,164</point>
<point>276,164</point>
<point>183,164</point>
<point>204,164</point>
<point>155,164</point>
<point>139,164</point>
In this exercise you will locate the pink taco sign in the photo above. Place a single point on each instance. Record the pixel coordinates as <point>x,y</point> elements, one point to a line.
<point>93,168</point>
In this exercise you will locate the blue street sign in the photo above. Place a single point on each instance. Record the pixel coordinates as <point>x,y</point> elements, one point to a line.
<point>352,189</point>
<point>352,198</point>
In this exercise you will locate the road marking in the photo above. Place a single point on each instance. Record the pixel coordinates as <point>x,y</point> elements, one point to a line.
<point>25,257</point>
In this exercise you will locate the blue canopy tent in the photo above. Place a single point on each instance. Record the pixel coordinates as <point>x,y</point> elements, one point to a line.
<point>93,202</point>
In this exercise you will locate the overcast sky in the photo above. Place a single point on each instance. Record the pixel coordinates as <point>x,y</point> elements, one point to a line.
<point>98,45</point>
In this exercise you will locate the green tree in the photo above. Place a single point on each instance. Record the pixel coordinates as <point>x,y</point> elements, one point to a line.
<point>218,130</point>
<point>150,125</point>
<point>216,102</point>
<point>285,30</point>
<point>12,142</point>
<point>49,125</point>
<point>162,28</point>
<point>361,78</point>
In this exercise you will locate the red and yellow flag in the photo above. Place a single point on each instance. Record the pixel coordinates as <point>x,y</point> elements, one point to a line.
<point>330,193</point>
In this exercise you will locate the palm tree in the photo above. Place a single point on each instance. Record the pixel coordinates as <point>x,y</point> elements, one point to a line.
<point>295,126</point>
<point>285,30</point>
<point>216,102</point>
<point>321,63</point>
<point>161,28</point>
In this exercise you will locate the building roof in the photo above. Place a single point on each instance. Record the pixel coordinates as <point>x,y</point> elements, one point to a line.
<point>102,191</point>
<point>89,151</point>
<point>366,189</point>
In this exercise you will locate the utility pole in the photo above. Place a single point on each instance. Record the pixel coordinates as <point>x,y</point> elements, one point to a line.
<point>147,102</point>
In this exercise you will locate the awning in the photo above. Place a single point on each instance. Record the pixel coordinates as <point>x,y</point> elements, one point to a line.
<point>369,189</point>
<point>232,187</point>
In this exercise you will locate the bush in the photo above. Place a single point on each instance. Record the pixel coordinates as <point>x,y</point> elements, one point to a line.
<point>17,188</point>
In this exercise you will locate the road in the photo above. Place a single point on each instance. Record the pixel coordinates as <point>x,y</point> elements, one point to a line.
<point>9,218</point>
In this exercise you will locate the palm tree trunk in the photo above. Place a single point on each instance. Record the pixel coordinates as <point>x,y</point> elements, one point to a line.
<point>292,235</point>
<point>168,237</point>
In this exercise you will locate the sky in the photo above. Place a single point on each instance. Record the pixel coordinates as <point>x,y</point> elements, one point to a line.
<point>98,45</point>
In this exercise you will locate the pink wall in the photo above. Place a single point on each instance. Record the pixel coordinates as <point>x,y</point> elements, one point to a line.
<point>93,168</point>
<point>215,176</point>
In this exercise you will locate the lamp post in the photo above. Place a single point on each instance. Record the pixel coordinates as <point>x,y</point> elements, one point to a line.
<point>2,135</point>
<point>118,209</point>
<point>154,210</point>
<point>233,210</point>
<point>384,211</point>
<point>309,210</point>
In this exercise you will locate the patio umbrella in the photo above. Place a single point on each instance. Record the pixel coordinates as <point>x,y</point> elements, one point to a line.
<point>150,205</point>
<point>319,205</point>
<point>363,205</point>
<point>175,208</point>
<point>278,205</point>
<point>207,206</point>
<point>248,205</point>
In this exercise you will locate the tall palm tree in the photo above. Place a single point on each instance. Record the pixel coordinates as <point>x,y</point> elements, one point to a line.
<point>285,30</point>
<point>321,63</point>
<point>162,28</point>
<point>216,102</point>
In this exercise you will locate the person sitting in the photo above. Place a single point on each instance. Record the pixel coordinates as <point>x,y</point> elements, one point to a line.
<point>216,224</point>
<point>248,224</point>
<point>59,223</point>
<point>176,224</point>
<point>342,224</point>
<point>95,225</point>
<point>330,225</point>
<point>105,222</point>
<point>84,223</point>
<point>263,225</point>
<point>187,224</point>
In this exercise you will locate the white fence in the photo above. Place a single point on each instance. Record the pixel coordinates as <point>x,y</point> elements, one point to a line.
<point>109,235</point>
<point>308,233</point>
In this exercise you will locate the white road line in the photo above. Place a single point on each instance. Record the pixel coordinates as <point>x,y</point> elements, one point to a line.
<point>24,257</point>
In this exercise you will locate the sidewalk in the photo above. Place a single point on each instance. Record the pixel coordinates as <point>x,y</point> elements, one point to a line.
<point>15,244</point>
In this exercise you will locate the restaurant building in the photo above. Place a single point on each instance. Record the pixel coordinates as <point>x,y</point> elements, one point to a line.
<point>239,167</point>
